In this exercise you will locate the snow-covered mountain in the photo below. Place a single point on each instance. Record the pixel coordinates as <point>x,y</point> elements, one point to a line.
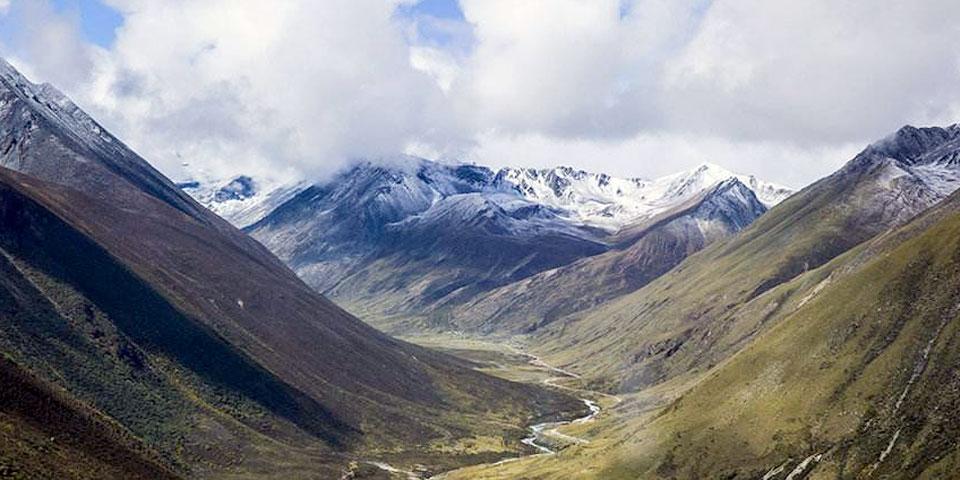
<point>930,156</point>
<point>572,198</point>
<point>405,234</point>
<point>39,119</point>
<point>54,103</point>
<point>642,252</point>
<point>609,202</point>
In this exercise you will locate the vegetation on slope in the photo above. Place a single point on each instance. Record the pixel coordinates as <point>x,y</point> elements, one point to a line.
<point>45,435</point>
<point>699,313</point>
<point>860,377</point>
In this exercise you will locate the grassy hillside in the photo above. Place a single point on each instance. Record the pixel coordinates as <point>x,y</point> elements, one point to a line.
<point>860,377</point>
<point>850,374</point>
<point>705,309</point>
<point>43,434</point>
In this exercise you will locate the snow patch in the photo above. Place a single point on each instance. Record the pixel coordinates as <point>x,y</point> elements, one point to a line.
<point>803,465</point>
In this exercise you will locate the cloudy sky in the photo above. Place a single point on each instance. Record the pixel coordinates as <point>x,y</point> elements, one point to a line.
<point>787,90</point>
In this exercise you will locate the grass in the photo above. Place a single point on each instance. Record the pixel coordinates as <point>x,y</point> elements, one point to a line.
<point>845,343</point>
<point>713,304</point>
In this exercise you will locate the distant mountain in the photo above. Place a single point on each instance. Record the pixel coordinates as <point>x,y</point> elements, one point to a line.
<point>641,253</point>
<point>405,241</point>
<point>612,203</point>
<point>241,200</point>
<point>164,329</point>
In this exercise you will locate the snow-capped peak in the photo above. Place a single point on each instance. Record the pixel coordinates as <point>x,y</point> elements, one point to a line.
<point>608,202</point>
<point>926,155</point>
<point>58,108</point>
<point>410,185</point>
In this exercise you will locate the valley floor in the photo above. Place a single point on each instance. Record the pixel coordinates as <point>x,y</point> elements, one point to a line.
<point>571,449</point>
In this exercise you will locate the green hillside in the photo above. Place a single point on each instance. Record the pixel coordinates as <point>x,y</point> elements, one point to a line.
<point>860,375</point>
<point>717,300</point>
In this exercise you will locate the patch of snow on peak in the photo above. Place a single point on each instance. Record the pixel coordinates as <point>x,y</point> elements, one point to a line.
<point>607,202</point>
<point>242,200</point>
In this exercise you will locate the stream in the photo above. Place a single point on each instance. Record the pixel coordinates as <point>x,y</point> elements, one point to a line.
<point>540,432</point>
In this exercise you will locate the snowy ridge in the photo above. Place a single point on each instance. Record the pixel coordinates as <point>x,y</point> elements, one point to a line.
<point>407,188</point>
<point>602,201</point>
<point>929,156</point>
<point>66,113</point>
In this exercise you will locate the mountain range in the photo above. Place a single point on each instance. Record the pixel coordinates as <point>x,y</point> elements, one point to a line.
<point>408,243</point>
<point>747,335</point>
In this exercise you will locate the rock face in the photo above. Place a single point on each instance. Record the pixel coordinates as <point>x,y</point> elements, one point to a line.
<point>135,302</point>
<point>407,241</point>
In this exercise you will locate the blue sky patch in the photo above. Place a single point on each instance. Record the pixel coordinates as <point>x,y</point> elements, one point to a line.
<point>98,22</point>
<point>445,9</point>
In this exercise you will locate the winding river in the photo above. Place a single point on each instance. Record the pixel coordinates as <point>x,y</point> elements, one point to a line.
<point>540,432</point>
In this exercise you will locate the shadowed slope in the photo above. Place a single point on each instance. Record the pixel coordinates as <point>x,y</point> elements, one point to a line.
<point>153,310</point>
<point>43,434</point>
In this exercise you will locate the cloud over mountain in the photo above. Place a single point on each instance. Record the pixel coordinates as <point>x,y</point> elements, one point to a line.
<point>627,86</point>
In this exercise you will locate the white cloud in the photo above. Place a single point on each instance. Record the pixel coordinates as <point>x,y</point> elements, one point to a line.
<point>442,66</point>
<point>637,87</point>
<point>48,44</point>
<point>547,66</point>
<point>262,86</point>
<point>816,71</point>
<point>762,86</point>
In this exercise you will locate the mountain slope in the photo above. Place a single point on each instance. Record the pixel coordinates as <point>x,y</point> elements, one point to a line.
<point>693,317</point>
<point>142,304</point>
<point>407,243</point>
<point>644,252</point>
<point>855,380</point>
<point>43,434</point>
